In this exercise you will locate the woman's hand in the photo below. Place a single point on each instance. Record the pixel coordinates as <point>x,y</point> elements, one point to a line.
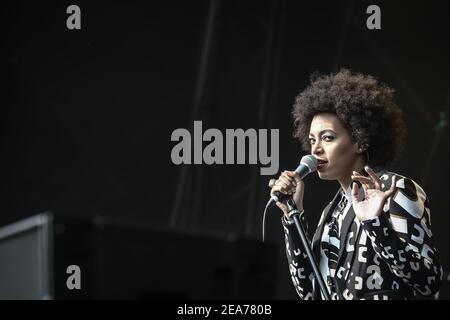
<point>290,183</point>
<point>374,197</point>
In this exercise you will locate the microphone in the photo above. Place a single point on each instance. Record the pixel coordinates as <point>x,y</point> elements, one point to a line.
<point>307,165</point>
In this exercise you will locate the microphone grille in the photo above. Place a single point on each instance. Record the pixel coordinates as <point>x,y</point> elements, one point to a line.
<point>310,161</point>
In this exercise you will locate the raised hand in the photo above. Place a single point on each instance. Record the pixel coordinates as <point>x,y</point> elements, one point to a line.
<point>374,196</point>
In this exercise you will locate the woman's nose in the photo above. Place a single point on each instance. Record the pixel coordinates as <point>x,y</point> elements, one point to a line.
<point>316,148</point>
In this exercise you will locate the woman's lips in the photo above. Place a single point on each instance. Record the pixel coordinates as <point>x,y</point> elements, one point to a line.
<point>321,164</point>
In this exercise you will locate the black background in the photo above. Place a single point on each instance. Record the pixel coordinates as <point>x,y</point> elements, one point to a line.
<point>88,114</point>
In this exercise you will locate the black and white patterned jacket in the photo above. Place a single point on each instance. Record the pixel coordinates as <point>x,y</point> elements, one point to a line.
<point>389,257</point>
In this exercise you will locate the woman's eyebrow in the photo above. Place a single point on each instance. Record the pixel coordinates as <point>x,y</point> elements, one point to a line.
<point>323,131</point>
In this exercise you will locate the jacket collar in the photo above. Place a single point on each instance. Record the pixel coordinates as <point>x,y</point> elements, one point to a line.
<point>326,215</point>
<point>346,225</point>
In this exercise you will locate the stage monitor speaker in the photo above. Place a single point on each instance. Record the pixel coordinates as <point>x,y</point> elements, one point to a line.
<point>129,260</point>
<point>26,261</point>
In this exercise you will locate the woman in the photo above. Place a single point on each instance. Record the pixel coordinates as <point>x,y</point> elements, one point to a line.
<point>374,238</point>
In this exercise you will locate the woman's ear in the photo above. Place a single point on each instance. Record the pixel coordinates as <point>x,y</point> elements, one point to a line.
<point>360,149</point>
<point>357,148</point>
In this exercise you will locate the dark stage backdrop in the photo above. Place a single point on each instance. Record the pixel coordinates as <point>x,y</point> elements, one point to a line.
<point>88,114</point>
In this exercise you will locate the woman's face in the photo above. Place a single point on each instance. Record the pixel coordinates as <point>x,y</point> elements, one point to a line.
<point>331,144</point>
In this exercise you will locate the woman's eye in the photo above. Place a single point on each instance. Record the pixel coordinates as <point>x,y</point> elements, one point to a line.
<point>328,138</point>
<point>311,141</point>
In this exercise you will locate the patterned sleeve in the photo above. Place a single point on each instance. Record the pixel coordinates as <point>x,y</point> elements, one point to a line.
<point>299,268</point>
<point>402,237</point>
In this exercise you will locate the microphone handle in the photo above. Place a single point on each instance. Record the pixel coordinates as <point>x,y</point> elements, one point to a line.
<point>302,170</point>
<point>281,196</point>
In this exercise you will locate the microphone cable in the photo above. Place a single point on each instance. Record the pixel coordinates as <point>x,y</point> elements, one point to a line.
<point>268,204</point>
<point>264,221</point>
